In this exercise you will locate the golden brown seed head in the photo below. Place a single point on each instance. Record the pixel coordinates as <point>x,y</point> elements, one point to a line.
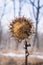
<point>21,28</point>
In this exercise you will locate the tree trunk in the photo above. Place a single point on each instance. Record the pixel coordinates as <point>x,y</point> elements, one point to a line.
<point>36,39</point>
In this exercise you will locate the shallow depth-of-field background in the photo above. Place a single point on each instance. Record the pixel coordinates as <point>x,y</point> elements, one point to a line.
<point>9,10</point>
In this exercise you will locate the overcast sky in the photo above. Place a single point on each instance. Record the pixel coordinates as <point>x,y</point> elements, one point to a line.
<point>9,13</point>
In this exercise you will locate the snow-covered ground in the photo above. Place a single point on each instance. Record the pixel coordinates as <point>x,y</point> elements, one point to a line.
<point>12,54</point>
<point>21,55</point>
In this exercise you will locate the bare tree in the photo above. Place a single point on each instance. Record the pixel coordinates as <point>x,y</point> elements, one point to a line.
<point>21,3</point>
<point>4,6</point>
<point>20,7</point>
<point>0,32</point>
<point>14,7</point>
<point>36,15</point>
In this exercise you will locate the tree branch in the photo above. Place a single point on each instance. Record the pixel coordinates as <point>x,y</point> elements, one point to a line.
<point>34,10</point>
<point>41,6</point>
<point>38,11</point>
<point>32,3</point>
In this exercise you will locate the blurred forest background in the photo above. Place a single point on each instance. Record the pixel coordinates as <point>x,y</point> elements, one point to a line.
<point>10,9</point>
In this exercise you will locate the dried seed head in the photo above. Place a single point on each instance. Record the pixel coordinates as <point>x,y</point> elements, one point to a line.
<point>21,28</point>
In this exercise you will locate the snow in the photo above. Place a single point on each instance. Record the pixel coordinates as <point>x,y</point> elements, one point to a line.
<point>37,56</point>
<point>20,55</point>
<point>12,54</point>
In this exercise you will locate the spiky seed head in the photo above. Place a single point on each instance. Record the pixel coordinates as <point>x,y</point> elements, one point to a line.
<point>21,28</point>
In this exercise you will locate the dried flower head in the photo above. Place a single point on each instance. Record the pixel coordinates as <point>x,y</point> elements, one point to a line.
<point>21,28</point>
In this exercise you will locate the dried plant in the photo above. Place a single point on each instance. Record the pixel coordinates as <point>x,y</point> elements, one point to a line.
<point>21,28</point>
